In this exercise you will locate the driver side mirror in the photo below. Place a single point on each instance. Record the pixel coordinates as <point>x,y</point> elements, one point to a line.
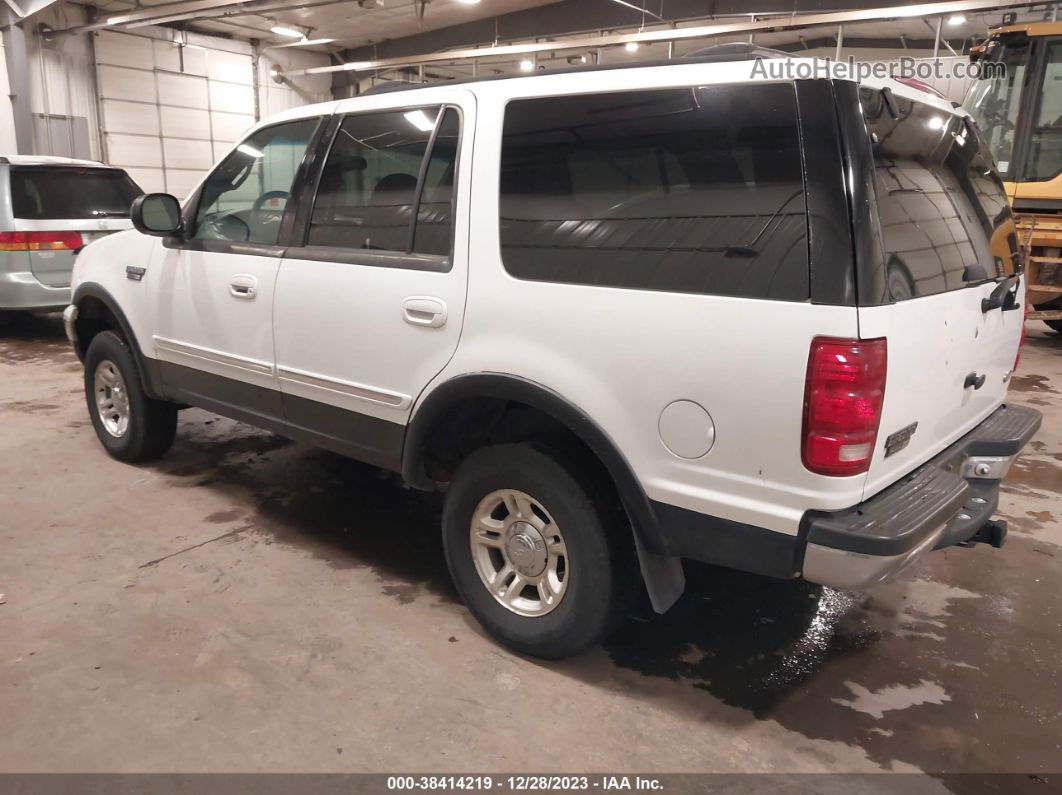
<point>157,214</point>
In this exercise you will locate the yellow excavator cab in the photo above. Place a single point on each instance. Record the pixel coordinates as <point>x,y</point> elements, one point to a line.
<point>1017,105</point>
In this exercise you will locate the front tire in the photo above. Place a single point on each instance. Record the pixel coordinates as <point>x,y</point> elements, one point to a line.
<point>130,425</point>
<point>529,551</point>
<point>1055,324</point>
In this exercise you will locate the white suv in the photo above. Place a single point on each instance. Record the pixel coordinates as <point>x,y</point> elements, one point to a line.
<point>621,316</point>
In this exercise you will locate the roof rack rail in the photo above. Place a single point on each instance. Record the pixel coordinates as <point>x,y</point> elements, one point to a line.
<point>390,85</point>
<point>735,51</point>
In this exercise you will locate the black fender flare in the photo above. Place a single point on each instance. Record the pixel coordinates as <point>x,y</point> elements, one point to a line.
<point>544,399</point>
<point>147,369</point>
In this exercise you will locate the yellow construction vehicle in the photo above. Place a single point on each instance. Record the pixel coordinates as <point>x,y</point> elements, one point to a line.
<point>1019,110</point>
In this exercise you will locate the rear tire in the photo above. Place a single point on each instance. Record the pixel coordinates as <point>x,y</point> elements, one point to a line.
<point>516,517</point>
<point>130,425</point>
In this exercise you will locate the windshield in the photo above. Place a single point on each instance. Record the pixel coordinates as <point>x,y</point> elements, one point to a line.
<point>994,103</point>
<point>46,192</point>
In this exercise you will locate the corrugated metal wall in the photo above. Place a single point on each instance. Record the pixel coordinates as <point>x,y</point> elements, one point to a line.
<point>169,111</point>
<point>7,125</point>
<point>60,76</point>
<point>163,111</point>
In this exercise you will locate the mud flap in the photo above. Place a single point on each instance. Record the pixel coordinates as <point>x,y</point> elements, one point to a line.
<point>663,576</point>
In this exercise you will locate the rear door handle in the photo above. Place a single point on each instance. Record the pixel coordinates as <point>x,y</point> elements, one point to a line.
<point>423,310</point>
<point>1003,296</point>
<point>243,285</point>
<point>974,380</point>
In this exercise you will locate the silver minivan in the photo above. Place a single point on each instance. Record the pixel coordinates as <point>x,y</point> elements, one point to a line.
<point>51,208</point>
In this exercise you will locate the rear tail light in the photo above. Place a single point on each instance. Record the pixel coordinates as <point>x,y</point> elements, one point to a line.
<point>1021,340</point>
<point>40,241</point>
<point>843,394</point>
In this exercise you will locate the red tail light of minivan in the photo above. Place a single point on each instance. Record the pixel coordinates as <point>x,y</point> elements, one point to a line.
<point>40,241</point>
<point>843,394</point>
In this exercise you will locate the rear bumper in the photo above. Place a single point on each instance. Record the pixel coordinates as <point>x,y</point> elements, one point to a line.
<point>22,291</point>
<point>946,501</point>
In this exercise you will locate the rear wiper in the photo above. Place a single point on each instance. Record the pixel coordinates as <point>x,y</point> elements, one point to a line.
<point>1004,296</point>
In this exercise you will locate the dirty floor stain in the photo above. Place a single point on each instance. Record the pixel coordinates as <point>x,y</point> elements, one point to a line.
<point>954,668</point>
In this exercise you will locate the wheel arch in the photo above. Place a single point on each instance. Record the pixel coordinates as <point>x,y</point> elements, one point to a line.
<point>661,572</point>
<point>518,390</point>
<point>98,311</point>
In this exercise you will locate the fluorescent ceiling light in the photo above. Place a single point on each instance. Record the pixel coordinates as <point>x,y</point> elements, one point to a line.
<point>526,65</point>
<point>935,122</point>
<point>956,19</point>
<point>468,2</point>
<point>420,120</point>
<point>631,46</point>
<point>282,30</point>
<point>250,151</point>
<point>308,42</point>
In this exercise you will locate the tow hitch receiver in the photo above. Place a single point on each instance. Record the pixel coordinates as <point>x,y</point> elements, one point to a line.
<point>992,532</point>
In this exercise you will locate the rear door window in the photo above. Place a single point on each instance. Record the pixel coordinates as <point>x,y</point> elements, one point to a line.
<point>696,190</point>
<point>380,172</point>
<point>50,192</point>
<point>944,216</point>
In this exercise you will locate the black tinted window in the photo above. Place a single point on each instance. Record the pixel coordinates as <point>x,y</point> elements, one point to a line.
<point>370,181</point>
<point>691,190</point>
<point>245,197</point>
<point>944,216</point>
<point>50,192</point>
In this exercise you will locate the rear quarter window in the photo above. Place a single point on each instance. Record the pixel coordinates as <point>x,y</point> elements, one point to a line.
<point>695,190</point>
<point>44,192</point>
<point>944,217</point>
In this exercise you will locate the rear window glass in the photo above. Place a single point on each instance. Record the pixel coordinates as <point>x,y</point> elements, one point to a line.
<point>694,190</point>
<point>43,193</point>
<point>944,216</point>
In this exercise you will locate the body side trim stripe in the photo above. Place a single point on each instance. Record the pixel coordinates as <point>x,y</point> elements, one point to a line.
<point>173,348</point>
<point>349,388</point>
<point>344,431</point>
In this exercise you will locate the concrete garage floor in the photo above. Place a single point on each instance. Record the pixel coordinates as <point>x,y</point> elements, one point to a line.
<point>251,604</point>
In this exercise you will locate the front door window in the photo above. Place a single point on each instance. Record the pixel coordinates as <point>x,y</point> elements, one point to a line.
<point>244,199</point>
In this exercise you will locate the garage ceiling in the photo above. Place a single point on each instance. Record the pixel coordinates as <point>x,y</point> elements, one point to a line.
<point>349,22</point>
<point>368,30</point>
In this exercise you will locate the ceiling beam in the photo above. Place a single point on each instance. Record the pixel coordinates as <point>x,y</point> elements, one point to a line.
<point>189,9</point>
<point>250,8</point>
<point>788,22</point>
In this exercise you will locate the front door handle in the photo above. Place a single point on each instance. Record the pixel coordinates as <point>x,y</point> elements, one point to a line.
<point>423,310</point>
<point>974,380</point>
<point>243,285</point>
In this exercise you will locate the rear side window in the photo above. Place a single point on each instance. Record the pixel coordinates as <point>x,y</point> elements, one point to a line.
<point>695,190</point>
<point>43,192</point>
<point>944,217</point>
